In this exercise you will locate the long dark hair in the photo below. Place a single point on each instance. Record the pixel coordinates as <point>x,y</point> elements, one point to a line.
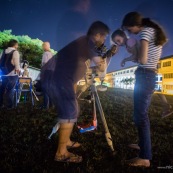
<point>136,19</point>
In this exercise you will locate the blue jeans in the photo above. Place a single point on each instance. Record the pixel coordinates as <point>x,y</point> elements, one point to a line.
<point>7,88</point>
<point>144,88</point>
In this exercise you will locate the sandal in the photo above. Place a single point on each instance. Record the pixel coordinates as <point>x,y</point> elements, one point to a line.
<point>134,146</point>
<point>73,158</point>
<point>138,162</point>
<point>74,145</point>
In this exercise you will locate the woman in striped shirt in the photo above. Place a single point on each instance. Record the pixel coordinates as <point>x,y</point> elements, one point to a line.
<point>120,38</point>
<point>152,39</point>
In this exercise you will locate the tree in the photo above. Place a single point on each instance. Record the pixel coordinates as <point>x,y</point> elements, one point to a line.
<point>128,81</point>
<point>5,36</point>
<point>30,49</point>
<point>131,81</point>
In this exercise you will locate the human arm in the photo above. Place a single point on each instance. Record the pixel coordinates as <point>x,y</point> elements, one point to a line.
<point>132,47</point>
<point>103,60</point>
<point>140,55</point>
<point>111,52</point>
<point>16,62</point>
<point>130,58</point>
<point>143,56</point>
<point>146,37</point>
<point>101,64</point>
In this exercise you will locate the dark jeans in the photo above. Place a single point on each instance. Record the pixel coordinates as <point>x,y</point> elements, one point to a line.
<point>144,88</point>
<point>7,89</point>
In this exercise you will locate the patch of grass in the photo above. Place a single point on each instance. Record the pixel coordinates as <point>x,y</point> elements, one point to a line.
<point>25,146</point>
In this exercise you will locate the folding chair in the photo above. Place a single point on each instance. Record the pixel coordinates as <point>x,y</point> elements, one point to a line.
<point>24,84</point>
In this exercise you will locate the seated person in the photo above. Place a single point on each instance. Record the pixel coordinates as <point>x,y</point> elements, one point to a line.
<point>25,71</point>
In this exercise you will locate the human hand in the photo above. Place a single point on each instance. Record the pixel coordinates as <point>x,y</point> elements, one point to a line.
<point>17,72</point>
<point>114,49</point>
<point>111,52</point>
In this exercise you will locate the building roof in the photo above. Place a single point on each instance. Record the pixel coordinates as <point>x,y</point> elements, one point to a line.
<point>166,57</point>
<point>123,69</point>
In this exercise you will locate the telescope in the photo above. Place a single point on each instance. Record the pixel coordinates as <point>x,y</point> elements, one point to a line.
<point>106,53</point>
<point>93,98</point>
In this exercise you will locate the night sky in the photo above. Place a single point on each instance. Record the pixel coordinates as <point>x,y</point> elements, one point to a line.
<point>53,20</point>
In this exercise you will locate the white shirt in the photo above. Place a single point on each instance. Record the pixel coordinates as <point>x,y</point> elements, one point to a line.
<point>45,58</point>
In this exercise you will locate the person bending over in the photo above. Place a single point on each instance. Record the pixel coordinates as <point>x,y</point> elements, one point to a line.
<point>62,72</point>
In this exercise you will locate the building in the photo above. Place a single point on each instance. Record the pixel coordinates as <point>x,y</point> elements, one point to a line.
<point>123,78</point>
<point>165,70</point>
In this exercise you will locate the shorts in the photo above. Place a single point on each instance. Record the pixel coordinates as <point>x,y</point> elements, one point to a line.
<point>64,99</point>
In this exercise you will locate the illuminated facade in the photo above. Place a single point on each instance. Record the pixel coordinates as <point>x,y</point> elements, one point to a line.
<point>125,78</point>
<point>165,70</point>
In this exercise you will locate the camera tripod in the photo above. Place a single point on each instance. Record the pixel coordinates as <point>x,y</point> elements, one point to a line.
<point>93,98</point>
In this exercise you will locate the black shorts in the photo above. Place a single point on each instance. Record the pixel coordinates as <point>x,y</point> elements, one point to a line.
<point>64,99</point>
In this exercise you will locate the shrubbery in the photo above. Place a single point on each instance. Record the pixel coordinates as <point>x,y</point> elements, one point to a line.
<point>30,49</point>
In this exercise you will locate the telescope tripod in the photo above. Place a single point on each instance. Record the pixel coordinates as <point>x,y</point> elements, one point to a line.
<point>93,98</point>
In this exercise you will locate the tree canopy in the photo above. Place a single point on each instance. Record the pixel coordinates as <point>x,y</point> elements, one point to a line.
<point>30,49</point>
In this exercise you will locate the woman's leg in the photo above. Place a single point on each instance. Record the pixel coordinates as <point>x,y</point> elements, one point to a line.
<point>143,90</point>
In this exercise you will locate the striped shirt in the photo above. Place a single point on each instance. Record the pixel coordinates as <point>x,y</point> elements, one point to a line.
<point>154,52</point>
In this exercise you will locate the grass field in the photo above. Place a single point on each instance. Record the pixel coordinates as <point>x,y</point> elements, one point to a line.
<point>25,146</point>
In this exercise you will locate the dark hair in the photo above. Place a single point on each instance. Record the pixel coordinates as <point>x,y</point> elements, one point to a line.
<point>25,62</point>
<point>98,27</point>
<point>136,19</point>
<point>118,32</point>
<point>12,43</point>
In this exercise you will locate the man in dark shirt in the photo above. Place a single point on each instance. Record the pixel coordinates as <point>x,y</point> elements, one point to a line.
<point>67,68</point>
